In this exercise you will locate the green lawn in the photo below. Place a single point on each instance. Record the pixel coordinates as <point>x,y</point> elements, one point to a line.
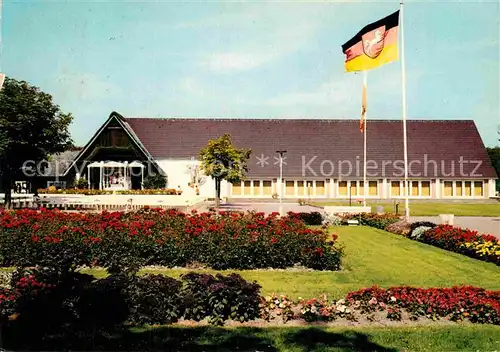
<point>372,257</point>
<point>419,208</point>
<point>295,339</point>
<point>457,337</point>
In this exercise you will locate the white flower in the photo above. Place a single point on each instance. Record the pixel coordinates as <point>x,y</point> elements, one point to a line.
<point>393,299</point>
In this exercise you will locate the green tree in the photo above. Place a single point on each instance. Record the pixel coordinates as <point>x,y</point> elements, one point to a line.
<point>155,181</point>
<point>31,128</point>
<point>222,161</point>
<point>494,154</point>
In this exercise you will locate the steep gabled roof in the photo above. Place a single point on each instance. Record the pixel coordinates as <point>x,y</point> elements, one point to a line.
<point>114,116</point>
<point>449,148</point>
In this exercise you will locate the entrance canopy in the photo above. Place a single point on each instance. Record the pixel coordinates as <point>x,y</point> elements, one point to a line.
<point>116,164</point>
<point>118,180</point>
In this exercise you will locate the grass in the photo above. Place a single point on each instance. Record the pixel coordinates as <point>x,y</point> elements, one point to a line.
<point>432,209</point>
<point>372,257</point>
<point>457,337</point>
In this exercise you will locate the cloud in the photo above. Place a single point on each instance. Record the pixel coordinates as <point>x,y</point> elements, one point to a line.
<point>262,35</point>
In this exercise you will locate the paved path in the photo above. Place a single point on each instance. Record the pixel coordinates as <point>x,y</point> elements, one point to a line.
<point>270,207</point>
<point>481,224</point>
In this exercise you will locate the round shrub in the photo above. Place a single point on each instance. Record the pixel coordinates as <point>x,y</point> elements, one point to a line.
<point>220,298</point>
<point>419,231</point>
<point>154,299</point>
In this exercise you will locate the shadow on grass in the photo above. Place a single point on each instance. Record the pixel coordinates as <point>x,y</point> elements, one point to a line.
<point>197,339</point>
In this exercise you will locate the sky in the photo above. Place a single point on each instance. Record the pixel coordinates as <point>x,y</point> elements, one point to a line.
<point>252,60</point>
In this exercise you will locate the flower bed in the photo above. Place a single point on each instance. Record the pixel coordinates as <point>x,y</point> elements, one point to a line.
<point>455,239</point>
<point>225,240</point>
<point>96,192</point>
<point>78,301</point>
<point>396,303</point>
<point>465,241</point>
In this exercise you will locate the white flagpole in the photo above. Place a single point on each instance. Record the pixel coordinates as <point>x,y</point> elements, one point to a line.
<point>364,142</point>
<point>403,83</point>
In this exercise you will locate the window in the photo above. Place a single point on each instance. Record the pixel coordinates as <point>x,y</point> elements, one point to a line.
<point>426,188</point>
<point>448,188</point>
<point>360,191</point>
<point>320,188</point>
<point>343,188</point>
<point>237,189</point>
<point>300,188</point>
<point>246,188</point>
<point>267,188</point>
<point>414,188</point>
<point>256,188</point>
<point>289,188</point>
<point>478,188</point>
<point>372,188</point>
<point>458,188</point>
<point>468,189</point>
<point>395,188</point>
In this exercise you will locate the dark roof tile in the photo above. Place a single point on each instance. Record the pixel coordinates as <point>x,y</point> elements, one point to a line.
<point>443,143</point>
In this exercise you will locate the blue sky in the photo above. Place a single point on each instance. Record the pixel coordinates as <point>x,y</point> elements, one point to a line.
<point>251,59</point>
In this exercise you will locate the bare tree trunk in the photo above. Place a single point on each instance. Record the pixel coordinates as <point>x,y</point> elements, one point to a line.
<point>217,193</point>
<point>7,185</point>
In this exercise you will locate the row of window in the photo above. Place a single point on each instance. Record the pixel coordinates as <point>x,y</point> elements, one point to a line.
<point>462,188</point>
<point>318,188</point>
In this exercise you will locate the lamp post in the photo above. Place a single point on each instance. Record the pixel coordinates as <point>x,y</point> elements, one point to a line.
<point>281,153</point>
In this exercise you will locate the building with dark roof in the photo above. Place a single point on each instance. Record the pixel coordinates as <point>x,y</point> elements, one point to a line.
<point>324,158</point>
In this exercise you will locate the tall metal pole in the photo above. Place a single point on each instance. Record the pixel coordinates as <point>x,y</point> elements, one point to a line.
<point>281,152</point>
<point>364,147</point>
<point>403,83</point>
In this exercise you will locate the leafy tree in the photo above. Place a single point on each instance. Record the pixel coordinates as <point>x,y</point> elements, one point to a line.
<point>494,154</point>
<point>31,128</point>
<point>222,161</point>
<point>155,181</point>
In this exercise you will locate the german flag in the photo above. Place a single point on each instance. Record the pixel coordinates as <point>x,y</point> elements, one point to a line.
<point>374,45</point>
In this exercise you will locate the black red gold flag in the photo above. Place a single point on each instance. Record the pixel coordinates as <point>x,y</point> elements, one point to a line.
<point>375,45</point>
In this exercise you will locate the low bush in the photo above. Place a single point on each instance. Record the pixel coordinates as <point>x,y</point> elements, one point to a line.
<point>154,299</point>
<point>379,221</point>
<point>80,302</point>
<point>417,233</point>
<point>225,240</point>
<point>219,298</point>
<point>401,228</point>
<point>417,224</point>
<point>96,192</point>
<point>312,218</point>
